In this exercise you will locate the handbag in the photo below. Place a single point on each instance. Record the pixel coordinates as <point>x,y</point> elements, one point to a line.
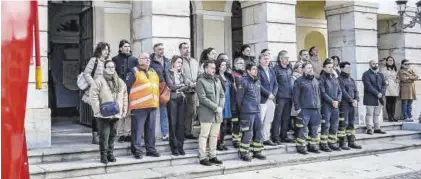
<point>109,109</point>
<point>164,93</point>
<point>81,81</point>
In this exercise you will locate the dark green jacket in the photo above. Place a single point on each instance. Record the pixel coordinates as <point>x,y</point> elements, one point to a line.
<point>211,96</point>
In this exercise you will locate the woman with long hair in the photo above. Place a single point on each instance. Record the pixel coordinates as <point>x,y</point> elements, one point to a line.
<point>336,62</point>
<point>176,106</point>
<point>207,54</point>
<point>392,90</point>
<point>93,70</point>
<point>407,78</point>
<point>108,90</point>
<point>227,84</point>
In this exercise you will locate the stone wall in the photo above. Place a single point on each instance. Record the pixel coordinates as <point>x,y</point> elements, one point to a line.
<point>37,115</point>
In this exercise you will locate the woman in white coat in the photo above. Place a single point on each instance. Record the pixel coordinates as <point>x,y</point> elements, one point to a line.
<point>392,90</point>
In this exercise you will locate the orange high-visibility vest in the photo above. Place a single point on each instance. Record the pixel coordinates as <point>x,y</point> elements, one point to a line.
<point>145,90</point>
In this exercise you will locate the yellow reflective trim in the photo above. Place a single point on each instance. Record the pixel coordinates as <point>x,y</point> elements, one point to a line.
<point>341,119</point>
<point>323,141</point>
<point>244,150</point>
<point>245,128</point>
<point>257,149</point>
<point>234,120</point>
<point>350,131</point>
<point>256,144</point>
<point>323,137</point>
<point>332,141</point>
<point>315,139</point>
<point>299,125</point>
<point>341,135</point>
<point>301,140</point>
<point>244,145</point>
<point>332,135</point>
<point>315,143</point>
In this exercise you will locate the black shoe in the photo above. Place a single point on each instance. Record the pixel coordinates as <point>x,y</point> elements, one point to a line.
<point>152,154</point>
<point>215,161</point>
<point>128,139</point>
<point>334,147</point>
<point>121,139</point>
<point>175,153</point>
<point>379,131</point>
<point>205,162</point>
<point>111,157</point>
<point>259,156</point>
<point>269,143</point>
<point>370,131</point>
<point>225,147</point>
<point>245,157</point>
<point>181,152</point>
<point>219,147</point>
<point>287,140</point>
<point>190,136</point>
<point>342,143</point>
<point>138,156</point>
<point>104,159</point>
<point>313,149</point>
<point>277,142</point>
<point>325,148</point>
<point>302,150</point>
<point>351,142</point>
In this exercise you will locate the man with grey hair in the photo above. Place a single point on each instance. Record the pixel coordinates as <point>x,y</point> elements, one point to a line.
<point>374,90</point>
<point>282,120</point>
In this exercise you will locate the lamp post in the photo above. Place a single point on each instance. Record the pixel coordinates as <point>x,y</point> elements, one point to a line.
<point>403,12</point>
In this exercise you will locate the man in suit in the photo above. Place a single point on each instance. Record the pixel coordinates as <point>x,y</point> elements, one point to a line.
<point>268,90</point>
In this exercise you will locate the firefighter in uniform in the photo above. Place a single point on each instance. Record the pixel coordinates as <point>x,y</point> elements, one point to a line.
<point>306,96</point>
<point>331,95</point>
<point>248,98</point>
<point>239,65</point>
<point>349,103</point>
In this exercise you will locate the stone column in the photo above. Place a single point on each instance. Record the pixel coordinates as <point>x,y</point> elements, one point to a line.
<point>352,32</point>
<point>166,22</point>
<point>37,116</point>
<point>264,27</point>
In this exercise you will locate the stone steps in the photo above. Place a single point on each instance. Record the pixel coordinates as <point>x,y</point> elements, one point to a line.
<point>83,151</point>
<point>394,140</point>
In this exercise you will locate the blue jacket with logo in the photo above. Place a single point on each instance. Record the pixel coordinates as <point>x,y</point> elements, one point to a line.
<point>248,95</point>
<point>284,81</point>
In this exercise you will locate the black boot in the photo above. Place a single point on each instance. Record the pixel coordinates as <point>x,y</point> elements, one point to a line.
<point>110,157</point>
<point>343,143</point>
<point>302,150</point>
<point>325,148</point>
<point>219,147</point>
<point>259,155</point>
<point>313,148</point>
<point>245,156</point>
<point>236,144</point>
<point>104,159</point>
<point>334,146</point>
<point>351,142</point>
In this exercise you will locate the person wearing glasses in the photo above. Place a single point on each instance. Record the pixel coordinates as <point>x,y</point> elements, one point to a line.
<point>108,88</point>
<point>143,89</point>
<point>407,77</point>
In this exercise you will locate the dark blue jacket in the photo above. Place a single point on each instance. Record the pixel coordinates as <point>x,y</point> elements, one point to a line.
<point>267,86</point>
<point>284,81</point>
<point>374,83</point>
<point>349,89</point>
<point>161,69</point>
<point>124,64</point>
<point>306,94</point>
<point>248,95</point>
<point>330,89</point>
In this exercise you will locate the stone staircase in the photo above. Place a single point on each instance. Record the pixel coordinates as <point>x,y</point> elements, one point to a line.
<point>78,160</point>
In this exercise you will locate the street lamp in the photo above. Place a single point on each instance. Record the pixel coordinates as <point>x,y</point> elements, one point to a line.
<point>402,13</point>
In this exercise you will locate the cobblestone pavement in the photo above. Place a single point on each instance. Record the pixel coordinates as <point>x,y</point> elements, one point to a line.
<point>396,165</point>
<point>409,175</point>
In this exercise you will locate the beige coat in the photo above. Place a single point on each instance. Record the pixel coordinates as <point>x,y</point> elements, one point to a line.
<point>90,79</point>
<point>101,93</point>
<point>392,81</point>
<point>317,64</point>
<point>407,78</point>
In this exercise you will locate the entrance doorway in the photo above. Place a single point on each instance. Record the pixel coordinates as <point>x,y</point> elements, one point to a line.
<point>70,36</point>
<point>237,27</point>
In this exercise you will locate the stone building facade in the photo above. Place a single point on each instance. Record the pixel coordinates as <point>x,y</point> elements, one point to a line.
<point>356,31</point>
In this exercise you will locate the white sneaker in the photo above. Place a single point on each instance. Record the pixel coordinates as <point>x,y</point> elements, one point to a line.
<point>165,138</point>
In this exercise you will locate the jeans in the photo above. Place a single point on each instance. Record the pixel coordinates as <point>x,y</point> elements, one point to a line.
<point>407,109</point>
<point>163,115</point>
<point>107,134</point>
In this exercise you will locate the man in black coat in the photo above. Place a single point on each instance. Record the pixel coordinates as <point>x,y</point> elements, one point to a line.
<point>374,90</point>
<point>124,62</point>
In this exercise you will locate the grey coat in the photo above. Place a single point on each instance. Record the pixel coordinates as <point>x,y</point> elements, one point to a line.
<point>211,96</point>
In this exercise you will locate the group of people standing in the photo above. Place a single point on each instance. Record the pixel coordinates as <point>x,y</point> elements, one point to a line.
<point>256,101</point>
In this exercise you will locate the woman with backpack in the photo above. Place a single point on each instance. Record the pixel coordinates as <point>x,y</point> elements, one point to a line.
<point>93,70</point>
<point>109,101</point>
